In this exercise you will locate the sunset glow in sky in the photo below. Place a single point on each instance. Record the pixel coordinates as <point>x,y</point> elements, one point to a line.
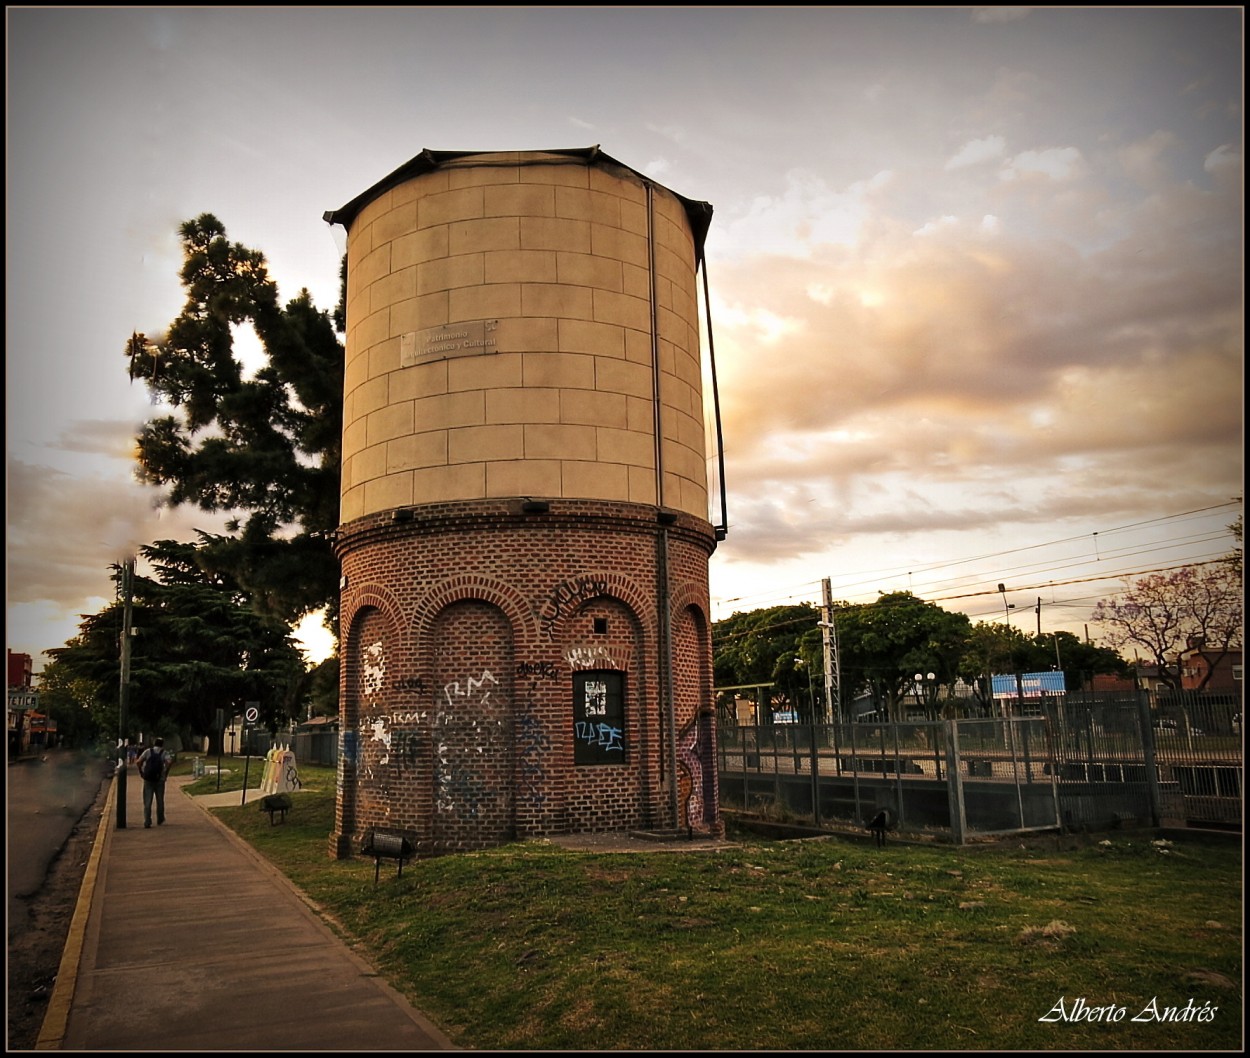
<point>976,273</point>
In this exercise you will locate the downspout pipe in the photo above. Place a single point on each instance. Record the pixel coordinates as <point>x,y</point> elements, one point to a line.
<point>669,710</point>
<point>721,530</point>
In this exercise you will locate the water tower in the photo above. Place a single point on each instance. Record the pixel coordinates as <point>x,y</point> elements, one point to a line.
<point>524,533</point>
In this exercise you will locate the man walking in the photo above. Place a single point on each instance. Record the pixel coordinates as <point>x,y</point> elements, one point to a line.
<point>153,767</point>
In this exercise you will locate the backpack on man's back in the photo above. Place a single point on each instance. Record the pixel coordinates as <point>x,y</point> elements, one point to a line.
<point>153,769</point>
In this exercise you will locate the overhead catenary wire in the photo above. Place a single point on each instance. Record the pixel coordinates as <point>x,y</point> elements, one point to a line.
<point>807,590</point>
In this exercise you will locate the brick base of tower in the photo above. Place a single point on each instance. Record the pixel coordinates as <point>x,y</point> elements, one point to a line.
<point>519,669</point>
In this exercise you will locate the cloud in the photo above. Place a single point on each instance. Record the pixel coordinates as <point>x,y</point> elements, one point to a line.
<point>1146,160</point>
<point>1054,163</point>
<point>807,215</point>
<point>976,152</point>
<point>1225,158</point>
<point>67,527</point>
<point>897,382</point>
<point>98,519</point>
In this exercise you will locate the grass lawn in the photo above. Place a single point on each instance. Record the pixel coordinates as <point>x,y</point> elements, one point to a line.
<point>818,944</point>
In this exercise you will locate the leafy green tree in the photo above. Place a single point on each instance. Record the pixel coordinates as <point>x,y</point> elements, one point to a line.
<point>323,688</point>
<point>70,701</point>
<point>197,646</point>
<point>779,646</point>
<point>1077,660</point>
<point>263,448</point>
<point>884,645</point>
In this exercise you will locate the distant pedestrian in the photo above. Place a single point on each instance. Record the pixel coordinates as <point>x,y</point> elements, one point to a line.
<point>153,768</point>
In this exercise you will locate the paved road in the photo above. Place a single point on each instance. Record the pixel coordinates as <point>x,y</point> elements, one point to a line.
<point>47,796</point>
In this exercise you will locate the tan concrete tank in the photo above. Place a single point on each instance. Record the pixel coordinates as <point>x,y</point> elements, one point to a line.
<point>505,313</point>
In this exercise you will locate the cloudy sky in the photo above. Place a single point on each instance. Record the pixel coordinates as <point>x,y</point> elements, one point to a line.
<point>976,273</point>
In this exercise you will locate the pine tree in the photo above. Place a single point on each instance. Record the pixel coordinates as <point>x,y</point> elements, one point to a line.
<point>264,448</point>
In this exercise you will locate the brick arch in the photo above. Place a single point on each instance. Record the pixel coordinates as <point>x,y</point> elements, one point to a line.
<point>375,596</point>
<point>687,596</point>
<point>566,598</point>
<point>510,602</point>
<point>368,608</point>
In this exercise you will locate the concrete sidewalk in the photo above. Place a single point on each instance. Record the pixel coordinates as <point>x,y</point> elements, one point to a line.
<point>185,939</point>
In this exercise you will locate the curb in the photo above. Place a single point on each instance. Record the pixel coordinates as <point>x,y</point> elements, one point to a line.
<point>56,1018</point>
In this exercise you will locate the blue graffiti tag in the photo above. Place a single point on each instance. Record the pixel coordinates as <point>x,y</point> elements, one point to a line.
<point>603,735</point>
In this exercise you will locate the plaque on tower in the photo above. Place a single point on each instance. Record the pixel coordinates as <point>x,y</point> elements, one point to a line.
<point>472,338</point>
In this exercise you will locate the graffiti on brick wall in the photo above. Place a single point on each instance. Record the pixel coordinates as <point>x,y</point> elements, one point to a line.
<point>457,789</point>
<point>369,730</point>
<point>583,656</point>
<point>545,670</point>
<point>383,736</point>
<point>414,717</point>
<point>602,736</point>
<point>566,597</point>
<point>372,669</point>
<point>469,689</point>
<point>405,749</point>
<point>405,742</point>
<point>695,756</point>
<point>533,751</point>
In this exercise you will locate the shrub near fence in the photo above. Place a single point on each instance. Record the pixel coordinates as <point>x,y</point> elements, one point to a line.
<point>1082,762</point>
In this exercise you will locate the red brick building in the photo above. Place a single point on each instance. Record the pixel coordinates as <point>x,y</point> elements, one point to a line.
<point>1215,671</point>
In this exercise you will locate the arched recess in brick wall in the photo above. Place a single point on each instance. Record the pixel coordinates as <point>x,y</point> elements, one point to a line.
<point>696,745</point>
<point>604,622</point>
<point>473,659</point>
<point>605,634</point>
<point>370,657</point>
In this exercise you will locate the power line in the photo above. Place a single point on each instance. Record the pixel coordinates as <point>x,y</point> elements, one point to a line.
<point>807,590</point>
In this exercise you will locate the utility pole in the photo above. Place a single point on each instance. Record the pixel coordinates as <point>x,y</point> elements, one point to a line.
<point>123,692</point>
<point>833,673</point>
<point>1039,615</point>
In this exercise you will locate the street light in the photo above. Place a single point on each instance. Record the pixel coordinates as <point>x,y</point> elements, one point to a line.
<point>922,682</point>
<point>1007,608</point>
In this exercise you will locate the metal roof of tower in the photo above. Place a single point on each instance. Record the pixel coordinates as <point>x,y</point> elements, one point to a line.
<point>698,213</point>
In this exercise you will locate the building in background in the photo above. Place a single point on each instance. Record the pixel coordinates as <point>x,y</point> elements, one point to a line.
<point>26,724</point>
<point>525,528</point>
<point>1213,671</point>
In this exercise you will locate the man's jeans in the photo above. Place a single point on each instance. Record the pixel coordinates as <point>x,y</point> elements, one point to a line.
<point>150,788</point>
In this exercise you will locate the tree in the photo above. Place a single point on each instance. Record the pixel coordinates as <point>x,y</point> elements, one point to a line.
<point>323,688</point>
<point>197,647</point>
<point>883,645</point>
<point>778,646</point>
<point>1163,614</point>
<point>265,449</point>
<point>71,702</point>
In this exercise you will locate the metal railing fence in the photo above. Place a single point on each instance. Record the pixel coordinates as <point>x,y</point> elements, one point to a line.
<point>1088,762</point>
